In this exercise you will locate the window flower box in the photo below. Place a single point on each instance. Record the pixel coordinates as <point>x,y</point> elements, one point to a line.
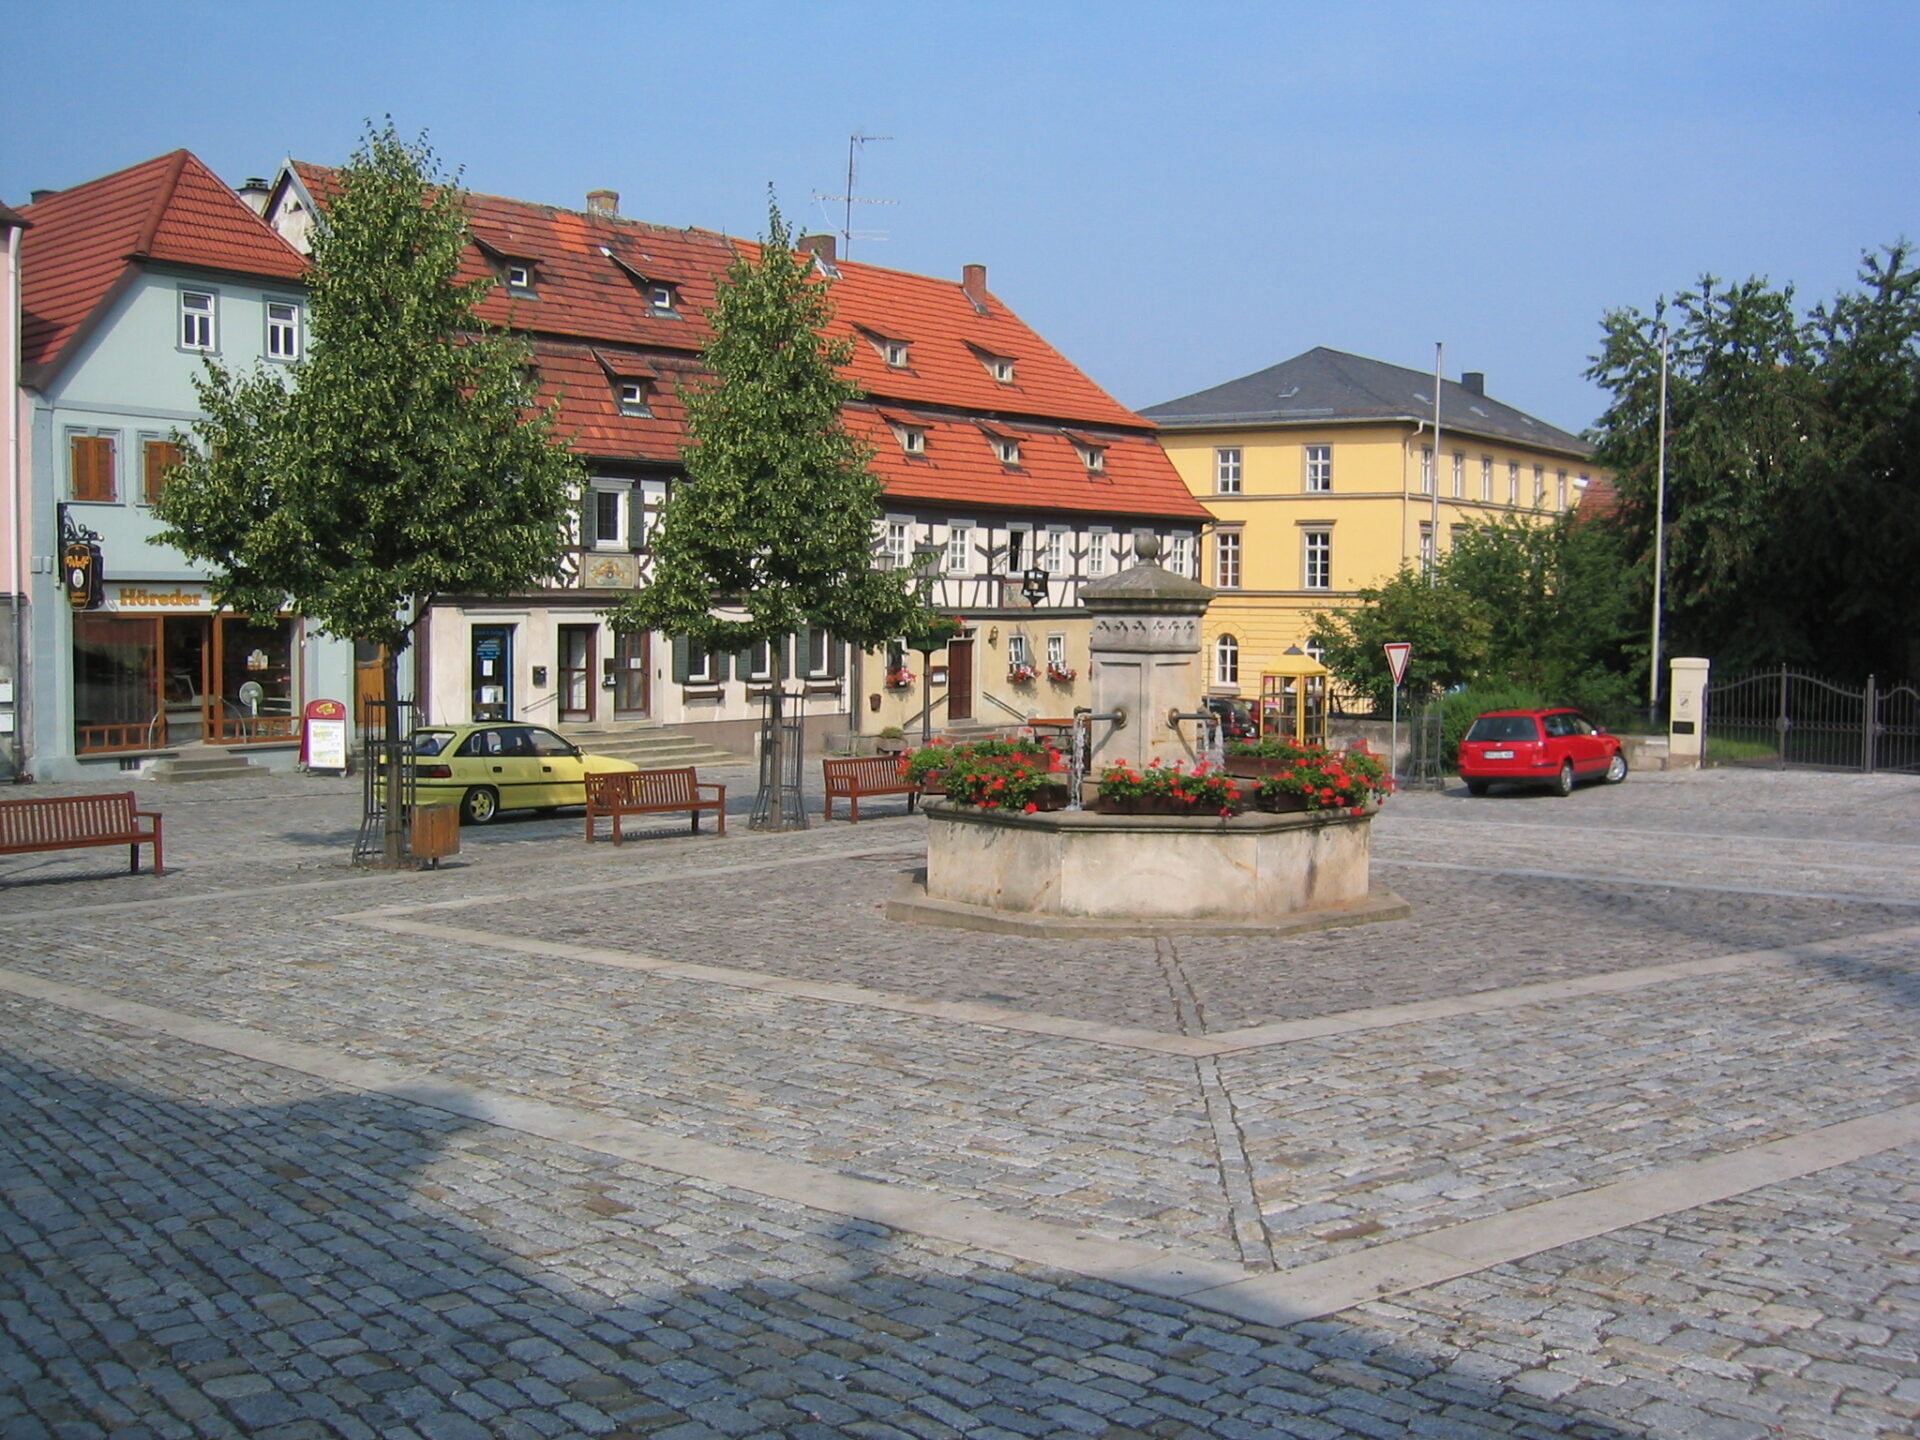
<point>1021,674</point>
<point>1062,674</point>
<point>899,677</point>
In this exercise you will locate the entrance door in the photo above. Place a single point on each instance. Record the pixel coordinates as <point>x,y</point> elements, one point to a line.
<point>630,672</point>
<point>492,671</point>
<point>576,671</point>
<point>960,679</point>
<point>191,694</point>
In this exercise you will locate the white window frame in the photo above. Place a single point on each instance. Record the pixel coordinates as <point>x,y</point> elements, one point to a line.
<point>199,329</point>
<point>1227,470</point>
<point>1486,479</point>
<point>1226,560</point>
<point>959,548</point>
<point>1459,475</point>
<point>1226,660</point>
<point>283,331</point>
<point>912,438</point>
<point>897,353</point>
<point>1427,555</point>
<point>1053,551</point>
<point>660,297</point>
<point>1094,457</point>
<point>999,367</point>
<point>1180,555</point>
<point>1007,449</point>
<point>898,544</point>
<point>1426,469</point>
<point>1097,541</point>
<point>619,497</point>
<point>1319,471</point>
<point>1316,557</point>
<point>1513,482</point>
<point>631,397</point>
<point>518,275</point>
<point>1539,487</point>
<point>1056,652</point>
<point>1017,650</point>
<point>1561,490</point>
<point>824,671</point>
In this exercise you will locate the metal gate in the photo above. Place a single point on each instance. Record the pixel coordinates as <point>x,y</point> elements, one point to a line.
<point>1782,718</point>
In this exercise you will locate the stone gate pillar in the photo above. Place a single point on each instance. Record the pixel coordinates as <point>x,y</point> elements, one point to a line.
<point>1686,712</point>
<point>1145,654</point>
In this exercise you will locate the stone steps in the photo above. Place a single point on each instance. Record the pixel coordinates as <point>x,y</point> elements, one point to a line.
<point>650,746</point>
<point>186,769</point>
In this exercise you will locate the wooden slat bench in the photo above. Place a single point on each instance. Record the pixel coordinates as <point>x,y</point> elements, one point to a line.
<point>863,775</point>
<point>69,822</point>
<point>652,792</point>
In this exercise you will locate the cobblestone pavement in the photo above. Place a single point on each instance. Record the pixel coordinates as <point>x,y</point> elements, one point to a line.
<point>1617,1137</point>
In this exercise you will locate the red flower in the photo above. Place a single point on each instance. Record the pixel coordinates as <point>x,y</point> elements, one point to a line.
<point>1031,808</point>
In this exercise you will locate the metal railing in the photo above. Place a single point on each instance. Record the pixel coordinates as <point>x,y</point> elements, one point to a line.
<point>1786,719</point>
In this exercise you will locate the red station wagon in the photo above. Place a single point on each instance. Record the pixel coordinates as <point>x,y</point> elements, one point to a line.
<point>1538,747</point>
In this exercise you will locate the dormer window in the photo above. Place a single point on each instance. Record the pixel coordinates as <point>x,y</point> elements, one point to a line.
<point>999,367</point>
<point>519,276</point>
<point>632,397</point>
<point>1094,457</point>
<point>912,438</point>
<point>660,297</point>
<point>1007,449</point>
<point>894,352</point>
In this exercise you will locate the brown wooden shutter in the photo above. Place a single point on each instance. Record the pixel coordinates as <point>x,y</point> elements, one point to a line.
<point>92,467</point>
<point>160,456</point>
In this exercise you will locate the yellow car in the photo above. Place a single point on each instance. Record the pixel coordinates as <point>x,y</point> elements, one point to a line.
<point>501,765</point>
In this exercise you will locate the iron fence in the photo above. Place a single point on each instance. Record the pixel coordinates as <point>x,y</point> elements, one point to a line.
<point>1783,718</point>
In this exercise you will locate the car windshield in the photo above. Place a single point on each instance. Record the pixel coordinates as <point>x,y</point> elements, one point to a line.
<point>431,742</point>
<point>1503,727</point>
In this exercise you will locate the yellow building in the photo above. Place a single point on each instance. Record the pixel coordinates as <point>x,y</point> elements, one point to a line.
<point>1320,474</point>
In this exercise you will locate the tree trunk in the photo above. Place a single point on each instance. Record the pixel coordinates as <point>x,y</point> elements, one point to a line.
<point>775,807</point>
<point>394,834</point>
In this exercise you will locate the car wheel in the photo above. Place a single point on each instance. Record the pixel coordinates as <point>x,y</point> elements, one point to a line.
<point>480,805</point>
<point>1563,783</point>
<point>1476,787</point>
<point>1617,768</point>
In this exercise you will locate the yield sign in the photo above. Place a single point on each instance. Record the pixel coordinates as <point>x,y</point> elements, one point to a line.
<point>1397,653</point>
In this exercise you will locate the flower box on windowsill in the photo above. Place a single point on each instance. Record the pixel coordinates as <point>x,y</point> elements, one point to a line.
<point>1021,674</point>
<point>693,690</point>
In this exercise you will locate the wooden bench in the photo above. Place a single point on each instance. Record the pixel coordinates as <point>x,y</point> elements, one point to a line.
<point>866,775</point>
<point>651,792</point>
<point>68,822</point>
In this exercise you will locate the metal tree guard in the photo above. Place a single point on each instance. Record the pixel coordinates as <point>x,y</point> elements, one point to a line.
<point>778,804</point>
<point>386,728</point>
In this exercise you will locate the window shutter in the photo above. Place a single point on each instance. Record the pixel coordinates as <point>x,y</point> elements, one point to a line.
<point>720,658</point>
<point>160,457</point>
<point>743,663</point>
<point>680,660</point>
<point>589,520</point>
<point>636,519</point>
<point>836,656</point>
<point>92,467</point>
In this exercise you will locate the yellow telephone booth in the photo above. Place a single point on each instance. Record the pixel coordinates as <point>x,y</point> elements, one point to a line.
<point>1293,699</point>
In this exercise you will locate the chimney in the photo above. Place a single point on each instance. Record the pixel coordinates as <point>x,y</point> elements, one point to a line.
<point>34,197</point>
<point>603,202</point>
<point>1474,381</point>
<point>973,281</point>
<point>821,247</point>
<point>256,192</point>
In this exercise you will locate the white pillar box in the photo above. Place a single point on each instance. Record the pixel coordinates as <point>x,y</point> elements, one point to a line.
<point>1687,712</point>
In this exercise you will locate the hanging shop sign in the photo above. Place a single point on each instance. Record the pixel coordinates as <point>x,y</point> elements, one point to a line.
<point>81,568</point>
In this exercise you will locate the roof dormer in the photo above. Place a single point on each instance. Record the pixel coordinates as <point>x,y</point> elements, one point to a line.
<point>661,295</point>
<point>895,352</point>
<point>1000,367</point>
<point>520,274</point>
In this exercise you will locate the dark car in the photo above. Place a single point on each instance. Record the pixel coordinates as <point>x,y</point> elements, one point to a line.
<point>1553,747</point>
<point>1235,717</point>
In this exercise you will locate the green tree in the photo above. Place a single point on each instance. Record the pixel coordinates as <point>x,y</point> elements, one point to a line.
<point>771,531</point>
<point>406,458</point>
<point>1449,634</point>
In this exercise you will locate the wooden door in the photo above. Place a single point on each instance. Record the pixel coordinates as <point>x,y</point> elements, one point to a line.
<point>576,671</point>
<point>630,673</point>
<point>960,679</point>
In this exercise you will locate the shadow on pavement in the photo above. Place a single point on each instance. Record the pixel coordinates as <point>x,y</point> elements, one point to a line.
<point>352,1264</point>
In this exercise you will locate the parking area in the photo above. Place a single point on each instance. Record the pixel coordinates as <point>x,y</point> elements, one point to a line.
<point>1618,1136</point>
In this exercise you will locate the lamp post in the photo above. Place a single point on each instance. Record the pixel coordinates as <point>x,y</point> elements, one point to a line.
<point>1659,535</point>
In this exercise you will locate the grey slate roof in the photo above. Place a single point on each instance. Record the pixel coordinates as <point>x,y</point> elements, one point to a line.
<point>1330,386</point>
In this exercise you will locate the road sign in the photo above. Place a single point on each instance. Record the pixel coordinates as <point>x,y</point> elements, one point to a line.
<point>1397,653</point>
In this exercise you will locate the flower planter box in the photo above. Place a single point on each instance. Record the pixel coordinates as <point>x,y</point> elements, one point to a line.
<point>1153,805</point>
<point>1280,802</point>
<point>1255,767</point>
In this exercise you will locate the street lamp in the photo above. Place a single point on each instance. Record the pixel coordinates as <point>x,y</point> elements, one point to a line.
<point>1659,534</point>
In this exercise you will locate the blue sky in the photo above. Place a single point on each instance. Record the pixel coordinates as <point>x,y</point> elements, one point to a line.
<point>1173,194</point>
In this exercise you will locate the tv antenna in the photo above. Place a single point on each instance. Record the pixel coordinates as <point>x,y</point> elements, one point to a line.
<point>854,143</point>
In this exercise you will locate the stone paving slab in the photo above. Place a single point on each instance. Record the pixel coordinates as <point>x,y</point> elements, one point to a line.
<point>1665,1024</point>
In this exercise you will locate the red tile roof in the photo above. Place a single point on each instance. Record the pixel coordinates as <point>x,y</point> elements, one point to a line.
<point>86,240</point>
<point>587,296</point>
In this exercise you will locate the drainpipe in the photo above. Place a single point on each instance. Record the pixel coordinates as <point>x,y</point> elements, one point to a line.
<point>10,387</point>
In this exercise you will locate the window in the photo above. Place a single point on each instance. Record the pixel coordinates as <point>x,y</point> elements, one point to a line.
<point>157,457</point>
<point>1226,661</point>
<point>1094,457</point>
<point>822,655</point>
<point>608,516</point>
<point>1560,499</point>
<point>1017,650</point>
<point>899,546</point>
<point>1455,534</point>
<point>1513,482</point>
<point>1486,478</point>
<point>1053,553</point>
<point>632,397</point>
<point>1016,551</point>
<point>1226,471</point>
<point>519,275</point>
<point>1426,470</point>
<point>1426,546</point>
<point>283,330</point>
<point>1226,554</point>
<point>999,367</point>
<point>1056,652</point>
<point>1097,554</point>
<point>1007,450</point>
<point>894,352</point>
<point>1317,571</point>
<point>1459,476</point>
<point>196,320</point>
<point>1180,555</point>
<point>92,467</point>
<point>959,549</point>
<point>1539,486</point>
<point>660,297</point>
<point>912,438</point>
<point>756,661</point>
<point>1319,469</point>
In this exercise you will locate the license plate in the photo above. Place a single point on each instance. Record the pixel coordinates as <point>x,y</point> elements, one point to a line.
<point>1498,755</point>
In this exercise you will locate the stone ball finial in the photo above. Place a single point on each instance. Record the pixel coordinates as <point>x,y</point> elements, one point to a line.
<point>1146,547</point>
